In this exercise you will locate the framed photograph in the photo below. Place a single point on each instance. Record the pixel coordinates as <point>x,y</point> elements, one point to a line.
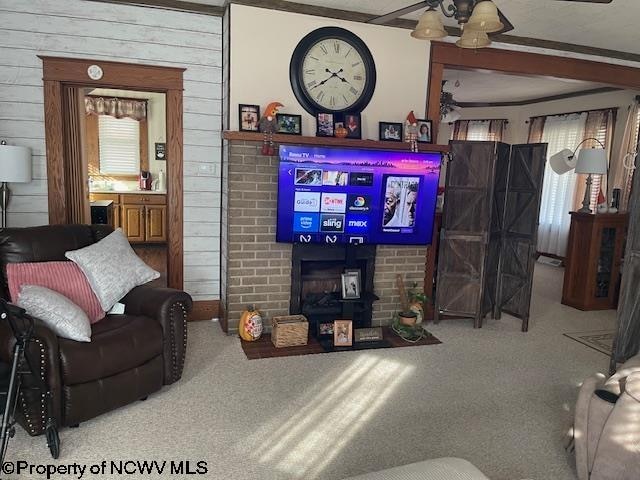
<point>249,116</point>
<point>390,131</point>
<point>325,329</point>
<point>373,334</point>
<point>342,333</point>
<point>324,125</point>
<point>289,124</point>
<point>352,124</point>
<point>351,284</point>
<point>424,131</point>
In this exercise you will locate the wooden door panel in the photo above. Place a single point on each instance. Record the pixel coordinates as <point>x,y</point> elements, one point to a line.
<point>133,224</point>
<point>156,223</point>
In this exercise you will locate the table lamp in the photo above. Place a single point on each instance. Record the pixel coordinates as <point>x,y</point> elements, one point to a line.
<point>591,161</point>
<point>15,166</point>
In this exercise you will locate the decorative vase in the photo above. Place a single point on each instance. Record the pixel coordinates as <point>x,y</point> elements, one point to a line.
<point>250,327</point>
<point>341,132</point>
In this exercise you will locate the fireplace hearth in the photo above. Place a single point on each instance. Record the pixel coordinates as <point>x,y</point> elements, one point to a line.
<point>316,283</point>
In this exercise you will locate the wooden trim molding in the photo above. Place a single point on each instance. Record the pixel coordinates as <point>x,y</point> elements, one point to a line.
<point>332,142</point>
<point>62,72</point>
<point>204,310</point>
<point>117,75</point>
<point>532,101</point>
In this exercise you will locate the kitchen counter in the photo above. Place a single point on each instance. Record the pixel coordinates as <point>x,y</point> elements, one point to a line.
<point>134,192</point>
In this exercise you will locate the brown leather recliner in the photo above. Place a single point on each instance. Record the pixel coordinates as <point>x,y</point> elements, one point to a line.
<point>129,356</point>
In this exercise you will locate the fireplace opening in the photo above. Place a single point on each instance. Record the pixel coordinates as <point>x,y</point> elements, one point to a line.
<point>316,283</point>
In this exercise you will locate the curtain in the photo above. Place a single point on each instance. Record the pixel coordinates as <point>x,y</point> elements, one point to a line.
<point>496,129</point>
<point>621,166</point>
<point>460,129</point>
<point>116,107</point>
<point>599,124</point>
<point>560,132</point>
<point>479,130</point>
<point>536,128</point>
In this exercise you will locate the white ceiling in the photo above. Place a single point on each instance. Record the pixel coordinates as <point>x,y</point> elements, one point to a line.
<point>490,87</point>
<point>611,26</point>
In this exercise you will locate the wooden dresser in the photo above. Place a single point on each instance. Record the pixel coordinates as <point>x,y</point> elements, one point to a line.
<point>142,216</point>
<point>594,256</point>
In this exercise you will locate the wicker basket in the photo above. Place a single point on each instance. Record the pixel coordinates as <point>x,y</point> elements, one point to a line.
<point>289,330</point>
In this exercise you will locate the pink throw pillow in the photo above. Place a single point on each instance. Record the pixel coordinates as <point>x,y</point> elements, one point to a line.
<point>62,277</point>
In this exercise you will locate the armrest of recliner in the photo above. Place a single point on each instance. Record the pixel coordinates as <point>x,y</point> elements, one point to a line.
<point>581,422</point>
<point>44,358</point>
<point>170,308</point>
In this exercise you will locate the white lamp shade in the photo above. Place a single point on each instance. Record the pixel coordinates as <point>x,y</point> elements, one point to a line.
<point>592,160</point>
<point>563,161</point>
<point>15,164</point>
<point>452,115</point>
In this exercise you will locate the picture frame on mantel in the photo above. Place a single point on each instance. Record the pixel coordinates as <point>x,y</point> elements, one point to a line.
<point>248,117</point>
<point>343,333</point>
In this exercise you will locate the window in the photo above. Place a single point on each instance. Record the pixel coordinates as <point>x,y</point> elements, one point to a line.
<point>119,145</point>
<point>479,130</point>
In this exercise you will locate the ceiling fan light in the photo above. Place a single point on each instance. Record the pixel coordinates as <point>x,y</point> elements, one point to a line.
<point>429,27</point>
<point>485,18</point>
<point>473,39</point>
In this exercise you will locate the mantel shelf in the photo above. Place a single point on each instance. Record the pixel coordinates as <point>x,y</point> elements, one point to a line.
<point>332,142</point>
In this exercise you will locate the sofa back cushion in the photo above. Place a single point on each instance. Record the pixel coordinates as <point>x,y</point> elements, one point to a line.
<point>62,277</point>
<point>44,244</point>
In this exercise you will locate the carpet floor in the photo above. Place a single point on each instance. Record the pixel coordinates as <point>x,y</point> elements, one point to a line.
<point>495,396</point>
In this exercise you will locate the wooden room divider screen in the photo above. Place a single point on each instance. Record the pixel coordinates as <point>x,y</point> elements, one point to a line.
<point>489,230</point>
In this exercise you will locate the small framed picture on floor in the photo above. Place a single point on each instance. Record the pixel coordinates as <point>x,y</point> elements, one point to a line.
<point>342,333</point>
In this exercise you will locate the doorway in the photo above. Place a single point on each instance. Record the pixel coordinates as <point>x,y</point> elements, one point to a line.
<point>152,218</point>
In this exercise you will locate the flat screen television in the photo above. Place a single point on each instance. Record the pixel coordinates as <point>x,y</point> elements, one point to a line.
<point>356,196</point>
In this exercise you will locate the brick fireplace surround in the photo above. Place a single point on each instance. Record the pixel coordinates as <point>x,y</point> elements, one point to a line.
<point>256,269</point>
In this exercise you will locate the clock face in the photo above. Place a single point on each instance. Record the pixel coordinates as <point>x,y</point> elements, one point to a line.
<point>332,70</point>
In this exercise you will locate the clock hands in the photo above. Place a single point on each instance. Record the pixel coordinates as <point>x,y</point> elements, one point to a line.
<point>333,74</point>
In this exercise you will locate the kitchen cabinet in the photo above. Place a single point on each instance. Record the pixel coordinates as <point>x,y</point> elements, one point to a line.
<point>142,217</point>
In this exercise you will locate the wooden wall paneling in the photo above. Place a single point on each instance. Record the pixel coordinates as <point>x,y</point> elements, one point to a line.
<point>520,232</point>
<point>144,144</point>
<point>175,273</point>
<point>55,152</point>
<point>92,144</point>
<point>205,310</point>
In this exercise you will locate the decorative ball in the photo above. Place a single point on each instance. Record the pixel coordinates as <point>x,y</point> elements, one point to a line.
<point>341,132</point>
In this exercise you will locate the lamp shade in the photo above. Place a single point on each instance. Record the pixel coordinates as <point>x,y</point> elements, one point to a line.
<point>452,115</point>
<point>15,164</point>
<point>592,160</point>
<point>485,18</point>
<point>473,39</point>
<point>429,26</point>
<point>563,161</point>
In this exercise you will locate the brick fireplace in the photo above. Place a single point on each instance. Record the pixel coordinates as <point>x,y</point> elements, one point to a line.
<point>257,270</point>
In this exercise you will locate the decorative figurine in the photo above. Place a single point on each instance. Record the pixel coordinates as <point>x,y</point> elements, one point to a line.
<point>268,125</point>
<point>411,131</point>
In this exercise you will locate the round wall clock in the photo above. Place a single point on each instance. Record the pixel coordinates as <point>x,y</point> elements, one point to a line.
<point>332,70</point>
<point>94,72</point>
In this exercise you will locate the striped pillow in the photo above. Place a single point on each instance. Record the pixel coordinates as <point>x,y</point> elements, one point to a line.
<point>62,277</point>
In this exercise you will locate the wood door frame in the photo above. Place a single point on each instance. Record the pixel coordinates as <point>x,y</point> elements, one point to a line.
<point>61,72</point>
<point>513,62</point>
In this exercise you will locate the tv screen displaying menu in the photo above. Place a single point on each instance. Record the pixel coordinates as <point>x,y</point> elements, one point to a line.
<point>338,195</point>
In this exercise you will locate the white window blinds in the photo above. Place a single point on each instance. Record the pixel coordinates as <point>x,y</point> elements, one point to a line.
<point>119,145</point>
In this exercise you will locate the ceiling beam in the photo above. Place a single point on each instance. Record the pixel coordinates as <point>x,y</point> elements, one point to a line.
<point>531,101</point>
<point>349,15</point>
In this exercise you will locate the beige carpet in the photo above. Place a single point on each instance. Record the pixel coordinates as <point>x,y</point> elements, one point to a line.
<point>497,397</point>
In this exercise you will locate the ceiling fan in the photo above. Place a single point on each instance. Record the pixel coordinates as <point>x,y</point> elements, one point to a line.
<point>480,17</point>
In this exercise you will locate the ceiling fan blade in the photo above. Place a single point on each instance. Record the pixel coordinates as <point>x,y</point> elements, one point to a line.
<point>398,13</point>
<point>508,26</point>
<point>587,1</point>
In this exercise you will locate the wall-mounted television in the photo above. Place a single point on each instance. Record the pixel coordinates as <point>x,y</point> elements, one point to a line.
<point>356,196</point>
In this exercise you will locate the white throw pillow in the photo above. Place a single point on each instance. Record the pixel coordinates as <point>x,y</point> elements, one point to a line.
<point>112,268</point>
<point>65,318</point>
